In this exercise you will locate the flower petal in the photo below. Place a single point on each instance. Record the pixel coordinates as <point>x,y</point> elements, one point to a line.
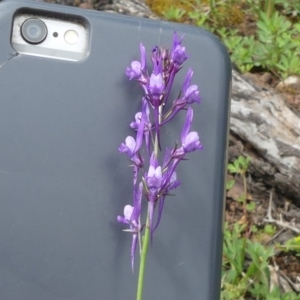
<point>139,136</point>
<point>156,84</point>
<point>128,210</point>
<point>187,81</point>
<point>121,219</point>
<point>143,57</point>
<point>135,124</point>
<point>187,125</point>
<point>192,94</point>
<point>192,142</point>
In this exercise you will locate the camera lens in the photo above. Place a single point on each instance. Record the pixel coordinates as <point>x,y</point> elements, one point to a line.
<point>34,31</point>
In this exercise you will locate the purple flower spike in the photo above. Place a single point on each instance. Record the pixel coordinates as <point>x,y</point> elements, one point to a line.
<point>160,179</point>
<point>190,140</point>
<point>178,54</point>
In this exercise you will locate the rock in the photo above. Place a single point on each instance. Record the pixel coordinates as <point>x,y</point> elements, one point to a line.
<point>289,84</point>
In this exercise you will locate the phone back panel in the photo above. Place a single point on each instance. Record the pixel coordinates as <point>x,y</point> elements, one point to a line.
<point>63,182</point>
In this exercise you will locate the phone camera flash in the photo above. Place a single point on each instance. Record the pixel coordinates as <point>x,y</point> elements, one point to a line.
<point>71,37</point>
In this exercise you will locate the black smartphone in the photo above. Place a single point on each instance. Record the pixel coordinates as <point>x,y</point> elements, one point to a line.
<point>65,107</point>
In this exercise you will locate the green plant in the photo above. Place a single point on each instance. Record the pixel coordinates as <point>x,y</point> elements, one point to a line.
<point>197,14</point>
<point>254,6</point>
<point>292,245</point>
<point>274,40</point>
<point>238,277</point>
<point>240,167</point>
<point>242,49</point>
<point>229,184</point>
<point>199,18</point>
<point>274,47</point>
<point>270,229</point>
<point>245,271</point>
<point>174,13</point>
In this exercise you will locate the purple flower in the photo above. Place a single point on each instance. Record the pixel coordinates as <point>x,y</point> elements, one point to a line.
<point>131,147</point>
<point>135,124</point>
<point>170,183</point>
<point>154,181</point>
<point>145,113</point>
<point>190,95</point>
<point>189,140</point>
<point>128,210</point>
<point>154,176</point>
<point>157,61</point>
<point>156,84</point>
<point>190,92</point>
<point>132,218</point>
<point>136,69</point>
<point>178,54</point>
<point>156,88</point>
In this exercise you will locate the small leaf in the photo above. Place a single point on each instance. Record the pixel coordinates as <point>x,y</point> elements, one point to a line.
<point>251,206</point>
<point>231,168</point>
<point>241,198</point>
<point>269,229</point>
<point>230,183</point>
<point>254,228</point>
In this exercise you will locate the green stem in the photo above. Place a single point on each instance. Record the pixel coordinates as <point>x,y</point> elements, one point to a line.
<point>212,4</point>
<point>269,8</point>
<point>143,259</point>
<point>146,237</point>
<point>245,195</point>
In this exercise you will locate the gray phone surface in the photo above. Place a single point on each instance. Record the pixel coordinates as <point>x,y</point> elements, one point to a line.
<point>63,182</point>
